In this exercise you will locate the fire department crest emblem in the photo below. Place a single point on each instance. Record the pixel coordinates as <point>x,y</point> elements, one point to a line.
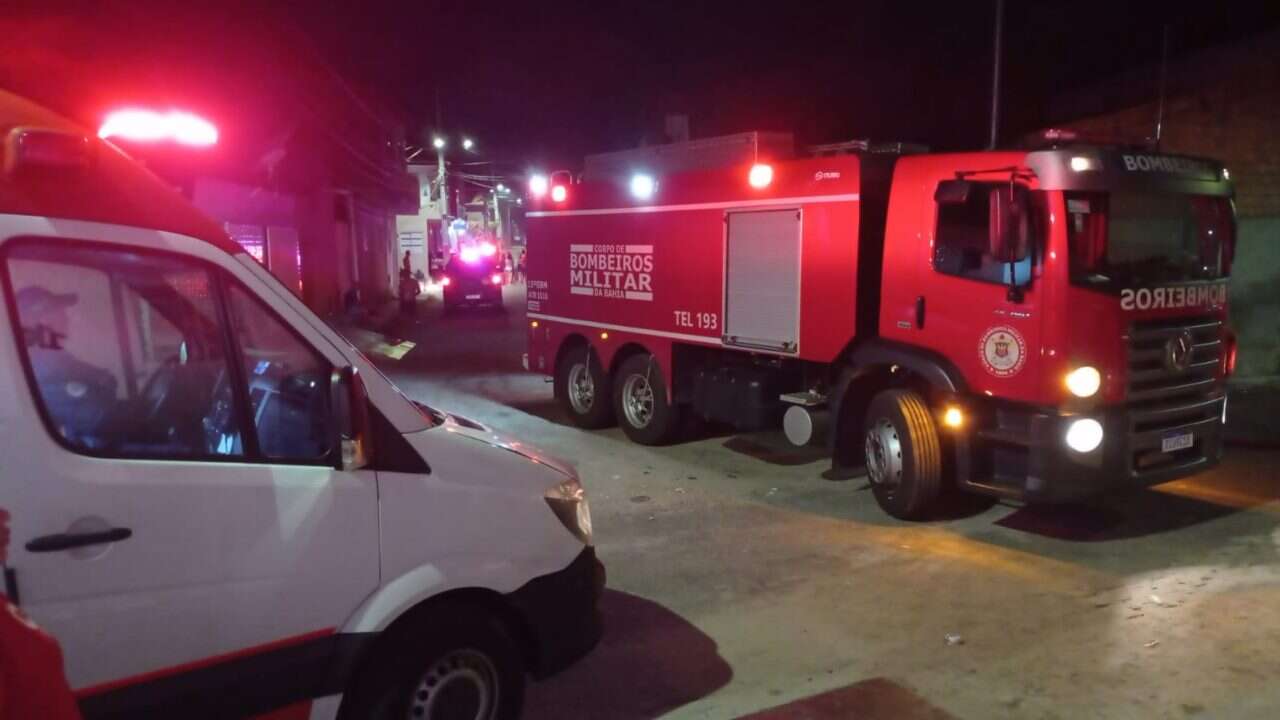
<point>1003,351</point>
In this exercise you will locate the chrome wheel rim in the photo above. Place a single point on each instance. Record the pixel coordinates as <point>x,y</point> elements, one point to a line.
<point>462,685</point>
<point>884,454</point>
<point>638,401</point>
<point>582,390</point>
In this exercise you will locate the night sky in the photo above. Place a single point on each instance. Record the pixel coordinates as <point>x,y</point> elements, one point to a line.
<point>541,83</point>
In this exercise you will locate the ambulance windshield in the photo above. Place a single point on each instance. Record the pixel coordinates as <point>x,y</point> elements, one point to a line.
<point>1123,238</point>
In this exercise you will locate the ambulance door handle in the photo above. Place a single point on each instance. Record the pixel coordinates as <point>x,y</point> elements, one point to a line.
<point>919,312</point>
<point>68,541</point>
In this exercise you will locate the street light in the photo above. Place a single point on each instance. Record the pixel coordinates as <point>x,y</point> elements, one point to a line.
<point>467,144</point>
<point>438,143</point>
<point>502,188</point>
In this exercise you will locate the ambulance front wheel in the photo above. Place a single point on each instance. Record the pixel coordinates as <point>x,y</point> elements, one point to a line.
<point>583,387</point>
<point>640,402</point>
<point>456,663</point>
<point>903,454</point>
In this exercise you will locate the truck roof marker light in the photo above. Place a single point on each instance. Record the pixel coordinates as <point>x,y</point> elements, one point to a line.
<point>559,193</point>
<point>643,186</point>
<point>538,185</point>
<point>604,336</point>
<point>140,125</point>
<point>533,323</point>
<point>760,176</point>
<point>1080,163</point>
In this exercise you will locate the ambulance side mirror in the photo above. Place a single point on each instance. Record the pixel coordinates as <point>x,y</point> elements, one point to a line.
<point>1010,223</point>
<point>349,405</point>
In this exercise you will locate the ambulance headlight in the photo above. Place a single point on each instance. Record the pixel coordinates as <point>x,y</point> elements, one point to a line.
<point>1084,381</point>
<point>569,503</point>
<point>1084,435</point>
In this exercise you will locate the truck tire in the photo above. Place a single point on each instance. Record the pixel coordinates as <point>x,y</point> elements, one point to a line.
<point>903,454</point>
<point>583,388</point>
<point>640,402</point>
<point>454,662</point>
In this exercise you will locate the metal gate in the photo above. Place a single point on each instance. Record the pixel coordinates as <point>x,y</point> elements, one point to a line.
<point>762,279</point>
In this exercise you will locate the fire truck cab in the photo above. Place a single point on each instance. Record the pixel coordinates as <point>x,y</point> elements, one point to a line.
<point>1038,325</point>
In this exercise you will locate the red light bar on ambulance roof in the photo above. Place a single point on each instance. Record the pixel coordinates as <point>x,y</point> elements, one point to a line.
<point>140,125</point>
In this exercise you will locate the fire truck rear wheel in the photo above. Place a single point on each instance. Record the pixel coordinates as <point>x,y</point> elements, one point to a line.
<point>640,402</point>
<point>903,454</point>
<point>583,387</point>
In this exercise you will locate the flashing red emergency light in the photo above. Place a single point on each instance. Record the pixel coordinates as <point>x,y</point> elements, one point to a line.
<point>141,125</point>
<point>445,281</point>
<point>559,193</point>
<point>469,255</point>
<point>496,279</point>
<point>760,176</point>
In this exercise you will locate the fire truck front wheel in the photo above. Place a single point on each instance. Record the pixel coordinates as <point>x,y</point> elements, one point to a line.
<point>904,455</point>
<point>583,387</point>
<point>640,402</point>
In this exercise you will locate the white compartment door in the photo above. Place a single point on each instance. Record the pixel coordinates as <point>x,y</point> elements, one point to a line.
<point>762,280</point>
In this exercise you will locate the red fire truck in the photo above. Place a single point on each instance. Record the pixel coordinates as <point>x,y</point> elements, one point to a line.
<point>1038,324</point>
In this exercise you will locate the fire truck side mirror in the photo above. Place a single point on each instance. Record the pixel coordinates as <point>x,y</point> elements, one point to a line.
<point>1010,224</point>
<point>952,192</point>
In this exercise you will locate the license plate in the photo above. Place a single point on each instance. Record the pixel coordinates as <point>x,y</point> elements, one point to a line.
<point>1180,441</point>
<point>473,297</point>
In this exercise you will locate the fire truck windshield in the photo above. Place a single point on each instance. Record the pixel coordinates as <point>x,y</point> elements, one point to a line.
<point>1125,238</point>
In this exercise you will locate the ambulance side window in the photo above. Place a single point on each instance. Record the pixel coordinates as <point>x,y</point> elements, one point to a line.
<point>125,350</point>
<point>288,383</point>
<point>961,242</point>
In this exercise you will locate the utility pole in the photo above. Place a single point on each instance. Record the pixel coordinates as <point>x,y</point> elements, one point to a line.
<point>1164,75</point>
<point>995,78</point>
<point>442,187</point>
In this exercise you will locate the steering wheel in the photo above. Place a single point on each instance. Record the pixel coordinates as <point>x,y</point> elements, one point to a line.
<point>157,388</point>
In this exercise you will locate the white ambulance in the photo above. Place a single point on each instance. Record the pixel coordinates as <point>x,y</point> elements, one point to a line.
<point>220,508</point>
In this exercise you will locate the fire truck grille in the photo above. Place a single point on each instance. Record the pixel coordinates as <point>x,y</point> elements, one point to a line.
<point>1172,390</point>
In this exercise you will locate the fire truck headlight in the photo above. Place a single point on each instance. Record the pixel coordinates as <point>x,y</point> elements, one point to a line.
<point>760,176</point>
<point>538,185</point>
<point>1084,435</point>
<point>559,193</point>
<point>1084,381</point>
<point>642,186</point>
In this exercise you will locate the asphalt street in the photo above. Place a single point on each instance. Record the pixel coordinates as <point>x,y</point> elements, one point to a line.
<point>744,578</point>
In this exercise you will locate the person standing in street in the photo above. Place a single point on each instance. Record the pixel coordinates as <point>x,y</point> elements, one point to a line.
<point>33,683</point>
